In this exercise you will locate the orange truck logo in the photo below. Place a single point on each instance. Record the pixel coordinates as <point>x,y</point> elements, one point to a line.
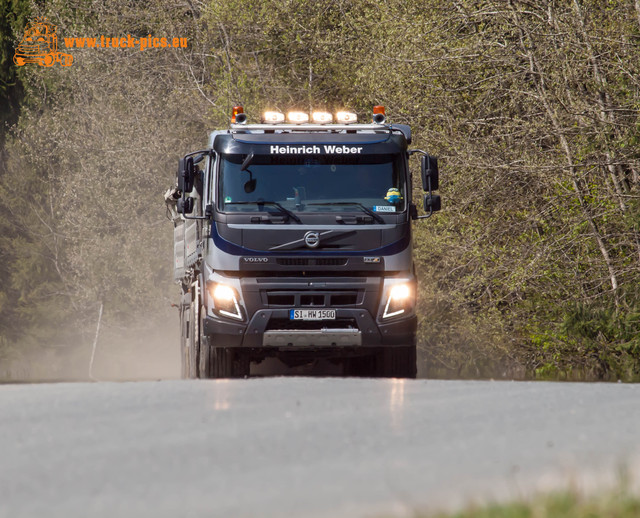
<point>40,45</point>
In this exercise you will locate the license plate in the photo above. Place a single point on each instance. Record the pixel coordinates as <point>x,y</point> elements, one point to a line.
<point>312,314</point>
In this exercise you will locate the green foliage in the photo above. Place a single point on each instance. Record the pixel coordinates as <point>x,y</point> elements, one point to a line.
<point>618,504</point>
<point>13,19</point>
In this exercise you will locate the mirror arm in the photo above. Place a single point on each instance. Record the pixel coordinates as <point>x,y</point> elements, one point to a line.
<point>203,152</point>
<point>208,212</point>
<point>195,217</point>
<point>427,215</point>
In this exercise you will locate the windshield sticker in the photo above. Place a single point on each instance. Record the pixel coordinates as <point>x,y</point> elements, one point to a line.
<point>384,208</point>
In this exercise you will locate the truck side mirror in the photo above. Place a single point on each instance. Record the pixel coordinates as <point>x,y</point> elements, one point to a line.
<point>186,174</point>
<point>430,172</point>
<point>432,203</point>
<point>184,206</point>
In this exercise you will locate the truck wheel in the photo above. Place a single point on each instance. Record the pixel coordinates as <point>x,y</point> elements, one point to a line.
<point>184,355</point>
<point>48,61</point>
<point>397,362</point>
<point>193,342</point>
<point>219,362</point>
<point>206,360</point>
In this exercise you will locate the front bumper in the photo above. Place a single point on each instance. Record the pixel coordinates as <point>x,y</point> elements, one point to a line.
<point>269,328</point>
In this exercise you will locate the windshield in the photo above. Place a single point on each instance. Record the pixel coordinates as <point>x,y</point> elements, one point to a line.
<point>326,183</point>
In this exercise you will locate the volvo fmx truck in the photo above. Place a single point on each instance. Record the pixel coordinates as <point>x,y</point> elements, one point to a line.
<point>292,239</point>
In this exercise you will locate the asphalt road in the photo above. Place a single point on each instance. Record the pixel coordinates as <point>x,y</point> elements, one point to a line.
<point>304,447</point>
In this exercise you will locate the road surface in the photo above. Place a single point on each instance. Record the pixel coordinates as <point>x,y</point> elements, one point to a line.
<point>304,447</point>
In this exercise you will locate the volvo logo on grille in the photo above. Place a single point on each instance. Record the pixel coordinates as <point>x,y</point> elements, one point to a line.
<point>312,239</point>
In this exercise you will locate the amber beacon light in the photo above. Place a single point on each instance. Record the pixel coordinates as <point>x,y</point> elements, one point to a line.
<point>379,115</point>
<point>238,116</point>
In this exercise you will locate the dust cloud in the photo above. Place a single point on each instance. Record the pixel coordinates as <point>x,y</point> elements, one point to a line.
<point>147,350</point>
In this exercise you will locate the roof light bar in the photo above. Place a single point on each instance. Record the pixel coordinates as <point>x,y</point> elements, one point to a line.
<point>300,117</point>
<point>271,117</point>
<point>346,117</point>
<point>297,117</point>
<point>322,117</point>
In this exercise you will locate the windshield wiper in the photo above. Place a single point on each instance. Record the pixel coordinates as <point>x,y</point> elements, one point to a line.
<point>274,203</point>
<point>354,203</point>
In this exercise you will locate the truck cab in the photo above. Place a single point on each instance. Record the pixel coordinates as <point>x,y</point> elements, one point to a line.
<point>293,239</point>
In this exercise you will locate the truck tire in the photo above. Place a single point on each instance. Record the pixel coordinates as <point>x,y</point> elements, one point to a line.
<point>397,362</point>
<point>220,362</point>
<point>184,357</point>
<point>205,363</point>
<point>193,342</point>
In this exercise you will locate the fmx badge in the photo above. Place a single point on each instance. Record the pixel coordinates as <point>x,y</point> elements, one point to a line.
<point>40,45</point>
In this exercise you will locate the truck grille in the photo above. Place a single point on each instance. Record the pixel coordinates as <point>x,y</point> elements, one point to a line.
<point>320,261</point>
<point>313,299</point>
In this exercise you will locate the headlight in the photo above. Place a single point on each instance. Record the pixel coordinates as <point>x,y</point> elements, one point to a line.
<point>399,301</point>
<point>225,300</point>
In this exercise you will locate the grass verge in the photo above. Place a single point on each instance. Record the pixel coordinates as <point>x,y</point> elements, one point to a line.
<point>618,504</point>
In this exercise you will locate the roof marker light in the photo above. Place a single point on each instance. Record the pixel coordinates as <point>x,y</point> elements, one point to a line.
<point>322,117</point>
<point>236,111</point>
<point>297,117</point>
<point>346,117</point>
<point>272,117</point>
<point>379,114</point>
